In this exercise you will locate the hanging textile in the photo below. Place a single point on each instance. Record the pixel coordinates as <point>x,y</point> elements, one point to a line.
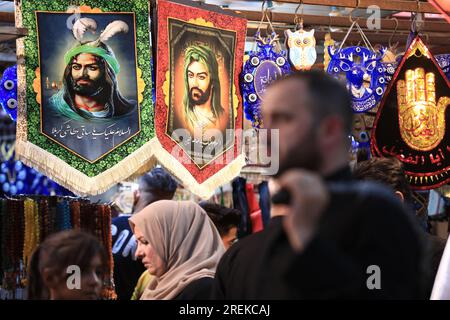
<point>198,106</point>
<point>240,203</point>
<point>264,202</point>
<point>27,220</point>
<point>253,206</point>
<point>412,123</point>
<point>85,115</point>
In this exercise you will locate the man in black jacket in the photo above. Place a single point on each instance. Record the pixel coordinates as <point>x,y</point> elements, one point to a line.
<point>339,239</point>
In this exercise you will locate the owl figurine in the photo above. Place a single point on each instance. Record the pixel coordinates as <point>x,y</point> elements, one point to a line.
<point>302,48</point>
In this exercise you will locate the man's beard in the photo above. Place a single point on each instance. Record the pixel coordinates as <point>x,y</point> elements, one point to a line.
<point>87,90</point>
<point>201,96</point>
<point>305,155</point>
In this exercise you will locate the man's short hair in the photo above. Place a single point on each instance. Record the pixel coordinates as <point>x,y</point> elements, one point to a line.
<point>158,181</point>
<point>223,218</point>
<point>388,171</point>
<point>327,95</point>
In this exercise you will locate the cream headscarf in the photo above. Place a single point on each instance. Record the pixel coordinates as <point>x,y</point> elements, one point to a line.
<point>185,238</point>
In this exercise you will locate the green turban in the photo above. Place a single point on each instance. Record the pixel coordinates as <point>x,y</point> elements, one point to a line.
<point>98,51</point>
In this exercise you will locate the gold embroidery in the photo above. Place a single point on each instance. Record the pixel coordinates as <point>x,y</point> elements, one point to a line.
<point>421,119</point>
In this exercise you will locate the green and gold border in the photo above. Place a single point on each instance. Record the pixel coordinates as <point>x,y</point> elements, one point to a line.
<point>144,63</point>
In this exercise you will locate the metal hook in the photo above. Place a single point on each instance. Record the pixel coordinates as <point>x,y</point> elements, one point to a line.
<point>297,21</point>
<point>350,16</point>
<point>262,6</point>
<point>395,31</point>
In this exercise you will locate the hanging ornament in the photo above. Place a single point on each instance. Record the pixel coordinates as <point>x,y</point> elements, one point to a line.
<point>302,48</point>
<point>301,45</point>
<point>8,92</point>
<point>444,63</point>
<point>364,73</point>
<point>329,42</point>
<point>265,64</point>
<point>411,123</point>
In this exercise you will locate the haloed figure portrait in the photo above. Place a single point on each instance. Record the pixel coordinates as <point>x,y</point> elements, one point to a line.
<point>201,88</point>
<point>88,81</point>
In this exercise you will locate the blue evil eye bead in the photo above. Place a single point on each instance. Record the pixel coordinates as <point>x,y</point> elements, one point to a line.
<point>379,91</point>
<point>281,61</point>
<point>336,69</point>
<point>11,103</point>
<point>13,189</point>
<point>248,77</point>
<point>22,175</point>
<point>358,49</point>
<point>18,166</point>
<point>380,70</point>
<point>254,61</point>
<point>2,178</point>
<point>363,136</point>
<point>6,187</point>
<point>8,84</point>
<point>252,97</point>
<point>20,185</point>
<point>381,80</point>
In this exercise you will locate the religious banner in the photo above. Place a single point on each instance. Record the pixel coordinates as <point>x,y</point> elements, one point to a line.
<point>198,114</point>
<point>85,111</point>
<point>411,123</point>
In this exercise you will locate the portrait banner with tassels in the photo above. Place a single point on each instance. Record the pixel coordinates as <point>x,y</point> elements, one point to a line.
<point>85,102</point>
<point>412,123</point>
<point>198,115</point>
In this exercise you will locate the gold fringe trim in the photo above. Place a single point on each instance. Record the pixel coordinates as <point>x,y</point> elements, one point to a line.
<point>206,189</point>
<point>79,183</point>
<point>133,166</point>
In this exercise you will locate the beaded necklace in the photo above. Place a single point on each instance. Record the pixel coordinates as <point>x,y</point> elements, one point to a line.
<point>29,234</point>
<point>75,211</point>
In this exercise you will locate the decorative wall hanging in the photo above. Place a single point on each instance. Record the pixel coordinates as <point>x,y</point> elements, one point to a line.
<point>264,65</point>
<point>85,91</point>
<point>301,44</point>
<point>329,42</point>
<point>8,92</point>
<point>364,73</point>
<point>444,63</point>
<point>412,122</point>
<point>198,107</point>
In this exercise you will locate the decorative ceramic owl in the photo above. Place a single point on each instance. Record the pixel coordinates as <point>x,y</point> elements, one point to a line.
<point>302,48</point>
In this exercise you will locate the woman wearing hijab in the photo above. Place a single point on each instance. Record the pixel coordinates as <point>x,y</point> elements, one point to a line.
<point>180,247</point>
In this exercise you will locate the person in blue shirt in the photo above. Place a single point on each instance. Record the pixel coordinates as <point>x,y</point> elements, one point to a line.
<point>153,186</point>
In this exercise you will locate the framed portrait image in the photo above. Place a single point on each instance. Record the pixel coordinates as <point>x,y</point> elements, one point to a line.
<point>198,104</point>
<point>85,90</point>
